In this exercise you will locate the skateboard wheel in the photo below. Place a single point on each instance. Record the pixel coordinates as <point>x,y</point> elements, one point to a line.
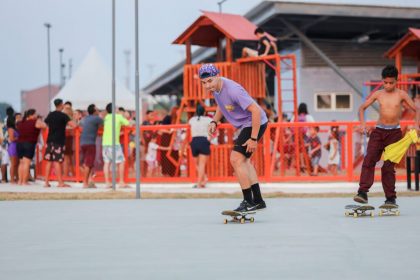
<point>372,214</point>
<point>355,215</point>
<point>380,213</point>
<point>225,221</point>
<point>397,213</point>
<point>243,221</point>
<point>347,214</point>
<point>251,220</point>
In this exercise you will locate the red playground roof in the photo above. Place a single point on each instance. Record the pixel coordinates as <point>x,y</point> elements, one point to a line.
<point>209,28</point>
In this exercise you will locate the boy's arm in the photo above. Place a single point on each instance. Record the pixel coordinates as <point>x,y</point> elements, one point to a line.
<point>407,100</point>
<point>369,101</point>
<point>316,149</point>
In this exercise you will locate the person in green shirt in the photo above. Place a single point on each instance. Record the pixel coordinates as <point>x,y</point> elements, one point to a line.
<point>107,146</point>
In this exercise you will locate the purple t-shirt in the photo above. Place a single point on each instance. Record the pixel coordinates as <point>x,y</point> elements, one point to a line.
<point>233,101</point>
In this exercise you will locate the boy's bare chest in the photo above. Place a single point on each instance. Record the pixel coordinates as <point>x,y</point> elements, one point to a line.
<point>389,101</point>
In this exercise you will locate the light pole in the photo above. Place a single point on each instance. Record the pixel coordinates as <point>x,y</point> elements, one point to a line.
<point>138,99</point>
<point>220,5</point>
<point>114,168</point>
<point>61,68</point>
<point>48,26</point>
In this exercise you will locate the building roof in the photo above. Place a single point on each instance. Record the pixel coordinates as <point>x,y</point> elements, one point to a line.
<point>409,45</point>
<point>42,90</point>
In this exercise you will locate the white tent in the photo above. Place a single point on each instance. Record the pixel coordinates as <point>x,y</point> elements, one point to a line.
<point>91,83</point>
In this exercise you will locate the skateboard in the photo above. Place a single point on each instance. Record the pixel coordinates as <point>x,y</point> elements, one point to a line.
<point>388,210</point>
<point>238,217</point>
<point>359,210</point>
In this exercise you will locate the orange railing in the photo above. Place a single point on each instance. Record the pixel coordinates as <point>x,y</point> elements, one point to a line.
<point>272,163</point>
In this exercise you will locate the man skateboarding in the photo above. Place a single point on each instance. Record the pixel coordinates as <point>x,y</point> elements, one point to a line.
<point>387,131</point>
<point>239,109</point>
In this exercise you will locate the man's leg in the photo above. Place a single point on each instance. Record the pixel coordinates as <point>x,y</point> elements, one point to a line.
<point>59,173</point>
<point>255,186</point>
<point>388,180</point>
<point>86,175</point>
<point>373,155</point>
<point>239,164</point>
<point>121,173</point>
<point>106,173</point>
<point>47,174</point>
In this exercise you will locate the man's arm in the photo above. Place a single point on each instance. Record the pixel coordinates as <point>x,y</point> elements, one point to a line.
<point>274,46</point>
<point>71,124</point>
<point>40,124</point>
<point>211,130</point>
<point>218,115</point>
<point>251,143</point>
<point>369,101</point>
<point>256,119</point>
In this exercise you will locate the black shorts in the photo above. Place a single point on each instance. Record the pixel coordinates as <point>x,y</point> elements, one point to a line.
<point>25,149</point>
<point>200,146</point>
<point>244,136</point>
<point>54,152</point>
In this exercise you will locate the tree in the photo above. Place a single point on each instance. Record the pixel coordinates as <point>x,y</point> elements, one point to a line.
<point>3,107</point>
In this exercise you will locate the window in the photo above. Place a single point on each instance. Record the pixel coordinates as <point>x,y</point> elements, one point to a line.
<point>333,101</point>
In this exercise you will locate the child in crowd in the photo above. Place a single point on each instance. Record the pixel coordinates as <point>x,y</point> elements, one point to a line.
<point>151,156</point>
<point>315,149</point>
<point>332,147</point>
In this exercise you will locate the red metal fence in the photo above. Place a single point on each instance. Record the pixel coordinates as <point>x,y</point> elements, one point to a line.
<point>281,155</point>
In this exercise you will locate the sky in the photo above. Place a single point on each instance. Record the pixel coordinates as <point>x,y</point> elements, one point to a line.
<point>78,25</point>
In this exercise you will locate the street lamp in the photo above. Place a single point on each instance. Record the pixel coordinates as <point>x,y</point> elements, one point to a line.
<point>48,26</point>
<point>220,5</point>
<point>61,68</point>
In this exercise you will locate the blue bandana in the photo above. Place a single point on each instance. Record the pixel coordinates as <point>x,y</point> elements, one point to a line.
<point>207,70</point>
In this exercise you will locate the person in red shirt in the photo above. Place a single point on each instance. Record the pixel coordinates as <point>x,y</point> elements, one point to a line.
<point>28,130</point>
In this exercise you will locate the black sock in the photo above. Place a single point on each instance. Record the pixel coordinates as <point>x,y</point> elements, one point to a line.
<point>247,195</point>
<point>257,193</point>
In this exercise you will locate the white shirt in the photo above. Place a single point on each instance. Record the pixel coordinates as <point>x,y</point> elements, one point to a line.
<point>152,151</point>
<point>199,126</point>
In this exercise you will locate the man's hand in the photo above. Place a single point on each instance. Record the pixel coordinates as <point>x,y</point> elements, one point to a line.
<point>251,145</point>
<point>211,130</point>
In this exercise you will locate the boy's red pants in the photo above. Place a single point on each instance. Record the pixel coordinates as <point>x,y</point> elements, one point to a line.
<point>379,139</point>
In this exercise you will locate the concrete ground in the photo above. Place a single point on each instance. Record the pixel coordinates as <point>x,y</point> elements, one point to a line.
<point>186,239</point>
<point>335,187</point>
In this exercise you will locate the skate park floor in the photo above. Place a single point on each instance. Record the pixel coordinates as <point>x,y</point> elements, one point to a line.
<point>294,238</point>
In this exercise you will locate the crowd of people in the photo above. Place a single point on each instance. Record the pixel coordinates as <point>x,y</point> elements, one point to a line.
<point>159,149</point>
<point>21,135</point>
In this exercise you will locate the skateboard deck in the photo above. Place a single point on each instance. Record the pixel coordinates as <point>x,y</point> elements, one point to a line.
<point>238,217</point>
<point>389,210</point>
<point>359,210</point>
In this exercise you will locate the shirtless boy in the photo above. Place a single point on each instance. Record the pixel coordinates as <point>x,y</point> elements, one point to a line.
<point>387,131</point>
